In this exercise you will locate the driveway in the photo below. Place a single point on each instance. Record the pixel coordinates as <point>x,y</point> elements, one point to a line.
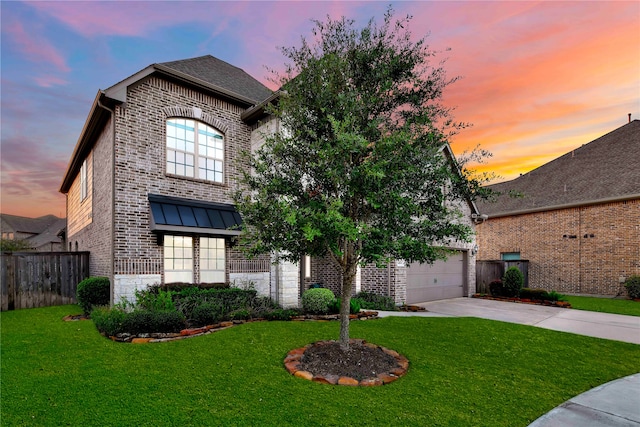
<point>600,325</point>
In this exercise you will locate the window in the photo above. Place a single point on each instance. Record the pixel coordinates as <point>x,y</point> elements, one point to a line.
<point>178,259</point>
<point>212,263</point>
<point>194,150</point>
<point>83,180</point>
<point>510,256</point>
<point>307,267</point>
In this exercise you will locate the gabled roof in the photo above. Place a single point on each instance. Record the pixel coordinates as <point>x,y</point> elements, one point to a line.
<point>606,169</point>
<point>23,224</point>
<point>221,74</point>
<point>205,73</point>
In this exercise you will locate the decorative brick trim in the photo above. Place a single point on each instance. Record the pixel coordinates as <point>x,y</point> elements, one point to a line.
<point>196,114</point>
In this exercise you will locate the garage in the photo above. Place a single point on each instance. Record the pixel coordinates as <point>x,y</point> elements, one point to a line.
<point>440,280</point>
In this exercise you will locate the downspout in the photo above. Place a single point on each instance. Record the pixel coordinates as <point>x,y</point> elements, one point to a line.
<point>389,279</point>
<point>113,194</point>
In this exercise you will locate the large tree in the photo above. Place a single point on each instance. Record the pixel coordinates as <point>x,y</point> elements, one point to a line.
<point>357,170</point>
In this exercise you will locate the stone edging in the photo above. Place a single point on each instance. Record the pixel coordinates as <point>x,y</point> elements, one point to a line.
<point>292,362</point>
<point>205,330</point>
<point>562,304</point>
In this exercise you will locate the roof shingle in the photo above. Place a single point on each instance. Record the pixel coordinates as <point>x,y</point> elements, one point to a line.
<point>605,168</point>
<point>222,74</point>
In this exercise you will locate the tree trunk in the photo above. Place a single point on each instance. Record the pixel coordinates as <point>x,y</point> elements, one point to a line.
<point>345,305</point>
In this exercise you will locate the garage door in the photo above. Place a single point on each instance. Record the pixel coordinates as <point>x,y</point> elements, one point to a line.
<point>441,280</point>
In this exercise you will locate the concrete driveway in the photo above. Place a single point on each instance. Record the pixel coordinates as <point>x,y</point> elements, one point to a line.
<point>612,404</point>
<point>600,325</point>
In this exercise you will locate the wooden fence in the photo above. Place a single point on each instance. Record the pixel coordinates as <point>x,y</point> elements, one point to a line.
<point>41,279</point>
<point>488,271</point>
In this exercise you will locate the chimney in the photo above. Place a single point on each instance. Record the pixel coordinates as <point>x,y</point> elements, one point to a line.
<point>629,117</point>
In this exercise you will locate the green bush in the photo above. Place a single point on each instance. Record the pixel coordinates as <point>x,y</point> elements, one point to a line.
<point>241,314</point>
<point>317,300</point>
<point>354,306</point>
<point>145,321</point>
<point>496,288</point>
<point>534,294</point>
<point>207,313</point>
<point>108,320</point>
<point>512,281</point>
<point>93,291</point>
<point>553,296</point>
<point>155,300</point>
<point>281,314</point>
<point>633,287</point>
<point>371,301</point>
<point>262,305</point>
<point>229,299</point>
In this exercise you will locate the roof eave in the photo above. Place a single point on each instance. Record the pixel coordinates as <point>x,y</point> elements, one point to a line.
<point>566,206</point>
<point>97,117</point>
<point>253,114</point>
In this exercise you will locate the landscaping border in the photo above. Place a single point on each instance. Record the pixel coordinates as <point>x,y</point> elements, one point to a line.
<point>562,304</point>
<point>293,360</point>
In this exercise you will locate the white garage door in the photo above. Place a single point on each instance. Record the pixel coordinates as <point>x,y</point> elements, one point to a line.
<point>441,280</point>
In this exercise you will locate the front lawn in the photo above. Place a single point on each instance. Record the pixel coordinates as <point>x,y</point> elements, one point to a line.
<point>463,371</point>
<point>605,305</point>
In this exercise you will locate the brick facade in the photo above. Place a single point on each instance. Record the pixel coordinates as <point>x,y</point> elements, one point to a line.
<point>580,250</point>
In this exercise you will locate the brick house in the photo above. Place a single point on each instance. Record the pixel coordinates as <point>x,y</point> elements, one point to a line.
<point>575,219</point>
<point>42,234</point>
<point>150,182</point>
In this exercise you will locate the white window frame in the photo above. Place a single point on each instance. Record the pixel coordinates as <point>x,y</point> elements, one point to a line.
<point>178,259</point>
<point>212,260</point>
<point>83,181</point>
<point>194,149</point>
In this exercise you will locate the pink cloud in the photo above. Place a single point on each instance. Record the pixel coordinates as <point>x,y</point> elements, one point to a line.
<point>49,81</point>
<point>35,47</point>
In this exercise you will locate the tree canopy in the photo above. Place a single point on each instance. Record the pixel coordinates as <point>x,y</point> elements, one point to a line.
<point>359,169</point>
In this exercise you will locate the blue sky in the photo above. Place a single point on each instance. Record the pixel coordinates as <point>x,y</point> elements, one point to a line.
<point>539,78</point>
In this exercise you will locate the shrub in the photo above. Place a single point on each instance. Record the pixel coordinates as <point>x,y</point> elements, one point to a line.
<point>93,291</point>
<point>512,281</point>
<point>281,314</point>
<point>354,305</point>
<point>317,300</point>
<point>535,294</point>
<point>145,321</point>
<point>229,299</point>
<point>496,288</point>
<point>262,305</point>
<point>155,300</point>
<point>242,314</point>
<point>207,313</point>
<point>371,301</point>
<point>553,296</point>
<point>108,321</point>
<point>633,287</point>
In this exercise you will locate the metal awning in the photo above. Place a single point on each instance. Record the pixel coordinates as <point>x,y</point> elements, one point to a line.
<point>177,215</point>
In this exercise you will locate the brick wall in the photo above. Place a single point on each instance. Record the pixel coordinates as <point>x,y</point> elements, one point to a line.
<point>141,156</point>
<point>578,250</point>
<point>89,222</point>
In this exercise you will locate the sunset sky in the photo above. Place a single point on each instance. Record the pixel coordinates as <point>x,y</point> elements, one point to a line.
<point>538,78</point>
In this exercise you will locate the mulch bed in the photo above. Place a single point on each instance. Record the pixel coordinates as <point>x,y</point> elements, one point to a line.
<point>363,364</point>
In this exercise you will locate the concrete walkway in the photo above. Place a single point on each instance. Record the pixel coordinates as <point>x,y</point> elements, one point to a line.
<point>600,325</point>
<point>616,403</point>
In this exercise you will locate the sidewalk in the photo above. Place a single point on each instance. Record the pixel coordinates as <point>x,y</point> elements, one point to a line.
<point>616,403</point>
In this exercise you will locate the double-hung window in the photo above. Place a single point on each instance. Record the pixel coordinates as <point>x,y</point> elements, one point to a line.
<point>212,260</point>
<point>195,150</point>
<point>178,259</point>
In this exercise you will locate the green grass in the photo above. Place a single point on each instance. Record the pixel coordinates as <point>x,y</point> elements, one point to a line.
<point>605,305</point>
<point>463,371</point>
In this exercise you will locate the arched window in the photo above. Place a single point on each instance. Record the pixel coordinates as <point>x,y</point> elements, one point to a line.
<point>194,149</point>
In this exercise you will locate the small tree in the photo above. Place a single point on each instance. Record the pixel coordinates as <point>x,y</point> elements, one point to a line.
<point>17,245</point>
<point>512,281</point>
<point>359,171</point>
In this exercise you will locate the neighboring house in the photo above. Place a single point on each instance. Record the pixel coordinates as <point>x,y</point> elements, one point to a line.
<point>149,187</point>
<point>41,234</point>
<point>575,219</point>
